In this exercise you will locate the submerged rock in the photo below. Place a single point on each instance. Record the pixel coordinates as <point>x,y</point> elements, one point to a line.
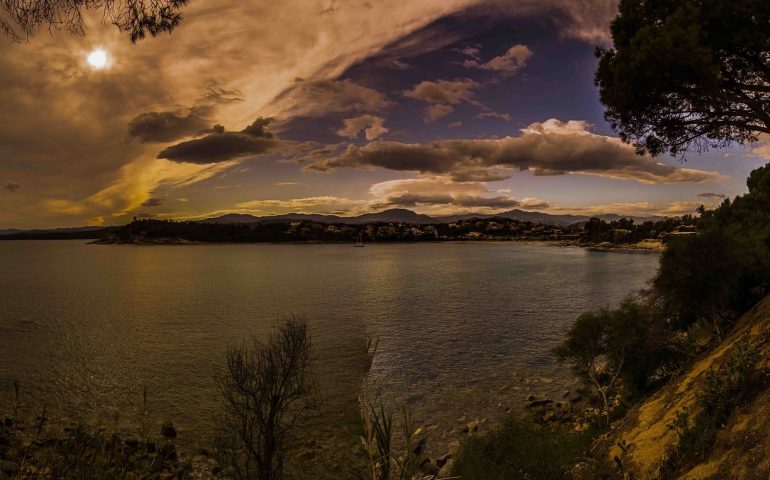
<point>168,430</point>
<point>539,403</point>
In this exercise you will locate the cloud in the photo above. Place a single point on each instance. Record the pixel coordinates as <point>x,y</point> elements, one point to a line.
<point>434,112</point>
<point>167,126</point>
<point>222,145</point>
<point>457,124</point>
<point>712,196</point>
<point>762,148</point>
<point>636,209</point>
<point>152,202</point>
<point>500,116</point>
<point>130,190</point>
<point>301,205</point>
<point>440,195</point>
<point>472,52</point>
<point>372,126</point>
<point>12,187</point>
<point>321,97</point>
<point>586,20</point>
<point>441,95</point>
<point>548,148</point>
<point>443,91</point>
<point>513,60</point>
<point>399,65</point>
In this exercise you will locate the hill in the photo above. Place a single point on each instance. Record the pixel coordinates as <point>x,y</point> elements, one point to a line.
<point>402,215</point>
<point>645,437</point>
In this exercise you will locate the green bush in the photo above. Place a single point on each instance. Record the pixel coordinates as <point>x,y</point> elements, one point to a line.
<point>519,450</point>
<point>631,344</point>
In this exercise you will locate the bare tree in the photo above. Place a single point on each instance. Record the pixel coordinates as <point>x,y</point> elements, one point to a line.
<point>20,19</point>
<point>266,389</point>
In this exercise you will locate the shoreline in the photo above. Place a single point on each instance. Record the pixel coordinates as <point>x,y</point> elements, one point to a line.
<point>652,246</point>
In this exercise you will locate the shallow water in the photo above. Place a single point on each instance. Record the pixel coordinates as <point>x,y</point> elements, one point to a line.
<point>85,327</point>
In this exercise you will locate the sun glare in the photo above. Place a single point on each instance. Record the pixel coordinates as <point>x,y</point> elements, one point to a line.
<point>98,59</point>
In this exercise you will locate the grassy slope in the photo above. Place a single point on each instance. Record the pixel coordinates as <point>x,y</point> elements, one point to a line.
<point>742,448</point>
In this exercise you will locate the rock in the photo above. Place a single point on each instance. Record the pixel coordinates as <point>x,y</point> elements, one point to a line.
<point>429,467</point>
<point>460,429</point>
<point>576,399</point>
<point>565,394</point>
<point>538,403</point>
<point>546,380</point>
<point>531,397</point>
<point>581,427</point>
<point>504,388</point>
<point>168,430</point>
<point>307,456</point>
<point>418,449</point>
<point>168,452</point>
<point>446,470</point>
<point>441,461</point>
<point>473,425</point>
<point>453,447</point>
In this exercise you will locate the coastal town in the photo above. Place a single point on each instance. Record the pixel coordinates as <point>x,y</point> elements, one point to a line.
<point>593,233</point>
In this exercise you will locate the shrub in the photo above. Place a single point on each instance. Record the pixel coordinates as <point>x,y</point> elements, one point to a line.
<point>384,460</point>
<point>519,450</point>
<point>30,448</point>
<point>265,390</point>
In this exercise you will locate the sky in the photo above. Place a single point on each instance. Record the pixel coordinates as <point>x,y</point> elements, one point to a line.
<point>332,106</point>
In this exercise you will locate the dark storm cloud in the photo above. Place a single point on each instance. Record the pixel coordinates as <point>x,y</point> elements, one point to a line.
<point>442,193</point>
<point>415,200</point>
<point>549,148</point>
<point>152,202</point>
<point>167,126</point>
<point>711,196</point>
<point>12,186</point>
<point>221,145</point>
<point>158,127</point>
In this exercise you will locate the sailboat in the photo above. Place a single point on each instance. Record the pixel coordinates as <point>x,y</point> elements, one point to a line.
<point>359,240</point>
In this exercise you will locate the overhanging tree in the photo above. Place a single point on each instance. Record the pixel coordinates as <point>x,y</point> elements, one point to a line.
<point>21,19</point>
<point>687,74</point>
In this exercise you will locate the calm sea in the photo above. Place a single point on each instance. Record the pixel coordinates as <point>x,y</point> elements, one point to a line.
<point>85,328</point>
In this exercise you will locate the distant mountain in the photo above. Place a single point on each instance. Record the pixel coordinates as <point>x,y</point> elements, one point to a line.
<point>232,218</point>
<point>65,230</point>
<point>402,215</point>
<point>540,217</point>
<point>395,215</point>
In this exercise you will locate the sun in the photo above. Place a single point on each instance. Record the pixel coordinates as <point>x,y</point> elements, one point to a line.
<point>98,59</point>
